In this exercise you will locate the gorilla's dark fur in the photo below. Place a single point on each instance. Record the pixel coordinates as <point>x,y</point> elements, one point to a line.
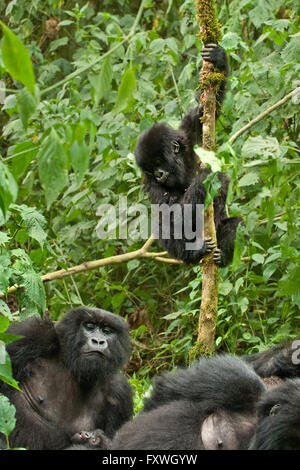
<point>210,405</point>
<point>70,377</point>
<point>173,176</point>
<point>279,418</point>
<point>282,360</point>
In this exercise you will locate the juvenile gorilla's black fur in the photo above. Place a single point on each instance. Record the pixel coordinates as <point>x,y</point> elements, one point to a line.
<point>279,418</point>
<point>282,360</point>
<point>173,176</point>
<point>70,378</point>
<point>210,405</point>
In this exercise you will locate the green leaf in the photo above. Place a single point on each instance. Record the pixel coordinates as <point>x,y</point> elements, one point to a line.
<point>27,105</point>
<point>22,154</point>
<point>243,302</point>
<point>208,156</point>
<point>249,179</point>
<point>16,59</point>
<point>212,185</point>
<point>231,41</point>
<point>289,283</point>
<point>34,222</point>
<point>2,352</point>
<point>58,43</point>
<point>261,146</point>
<point>8,338</point>
<point>291,52</point>
<point>7,416</point>
<point>6,370</point>
<point>126,91</point>
<point>258,258</point>
<point>117,300</point>
<point>4,323</point>
<point>260,13</point>
<point>80,159</point>
<point>225,287</point>
<point>269,270</point>
<point>4,238</point>
<point>8,188</point>
<point>33,298</point>
<point>102,82</point>
<point>53,167</point>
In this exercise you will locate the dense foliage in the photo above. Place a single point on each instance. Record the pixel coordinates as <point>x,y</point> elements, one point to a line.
<point>89,80</point>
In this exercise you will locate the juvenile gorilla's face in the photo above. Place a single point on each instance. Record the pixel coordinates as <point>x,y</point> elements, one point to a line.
<point>160,153</point>
<point>92,439</point>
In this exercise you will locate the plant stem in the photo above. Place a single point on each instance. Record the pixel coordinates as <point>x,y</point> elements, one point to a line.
<point>263,114</point>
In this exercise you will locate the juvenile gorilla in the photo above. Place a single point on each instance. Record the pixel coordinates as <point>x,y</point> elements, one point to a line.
<point>69,376</point>
<point>90,440</point>
<point>173,176</point>
<point>279,418</point>
<point>210,405</point>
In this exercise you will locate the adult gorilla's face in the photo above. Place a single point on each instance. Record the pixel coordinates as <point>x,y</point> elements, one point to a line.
<point>96,339</point>
<point>95,343</point>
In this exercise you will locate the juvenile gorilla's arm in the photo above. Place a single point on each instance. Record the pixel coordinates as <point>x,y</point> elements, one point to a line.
<point>191,124</point>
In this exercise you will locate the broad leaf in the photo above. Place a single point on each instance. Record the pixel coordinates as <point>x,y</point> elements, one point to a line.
<point>27,105</point>
<point>80,159</point>
<point>53,167</point>
<point>126,91</point>
<point>7,415</point>
<point>16,59</point>
<point>101,83</point>
<point>8,188</point>
<point>34,222</point>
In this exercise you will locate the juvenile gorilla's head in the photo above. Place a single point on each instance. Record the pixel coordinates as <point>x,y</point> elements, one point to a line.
<point>94,343</point>
<point>165,156</point>
<point>91,439</point>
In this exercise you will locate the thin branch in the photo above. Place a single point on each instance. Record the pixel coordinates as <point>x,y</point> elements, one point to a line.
<point>90,265</point>
<point>263,114</point>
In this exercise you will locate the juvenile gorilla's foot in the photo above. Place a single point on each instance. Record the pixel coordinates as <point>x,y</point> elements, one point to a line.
<point>217,256</point>
<point>209,245</point>
<point>214,54</point>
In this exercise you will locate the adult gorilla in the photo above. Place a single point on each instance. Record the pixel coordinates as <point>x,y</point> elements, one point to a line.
<point>69,377</point>
<point>211,406</point>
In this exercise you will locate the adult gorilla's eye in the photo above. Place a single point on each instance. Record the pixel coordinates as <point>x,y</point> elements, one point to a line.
<point>89,325</point>
<point>274,410</point>
<point>176,146</point>
<point>107,330</point>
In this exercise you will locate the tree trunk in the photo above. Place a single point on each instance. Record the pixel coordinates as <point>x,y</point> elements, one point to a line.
<point>209,33</point>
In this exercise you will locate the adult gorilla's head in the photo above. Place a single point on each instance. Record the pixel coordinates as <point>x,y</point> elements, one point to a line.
<point>94,343</point>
